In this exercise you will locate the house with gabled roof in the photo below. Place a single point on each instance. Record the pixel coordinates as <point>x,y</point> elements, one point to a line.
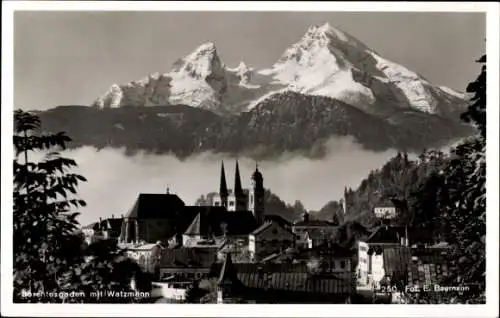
<point>186,263</point>
<point>269,238</point>
<point>108,228</point>
<point>278,283</point>
<point>90,232</point>
<point>111,227</point>
<point>308,231</point>
<point>370,252</point>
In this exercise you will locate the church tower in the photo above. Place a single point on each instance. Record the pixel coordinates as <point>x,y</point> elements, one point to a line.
<point>256,196</point>
<point>223,187</point>
<point>237,200</point>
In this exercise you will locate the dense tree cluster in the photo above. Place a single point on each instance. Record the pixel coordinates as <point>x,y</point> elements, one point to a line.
<point>50,257</point>
<point>441,193</point>
<point>288,122</point>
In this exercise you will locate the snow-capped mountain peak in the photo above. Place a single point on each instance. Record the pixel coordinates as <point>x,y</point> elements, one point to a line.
<point>198,80</point>
<point>326,61</point>
<point>202,62</point>
<point>329,62</point>
<point>326,31</point>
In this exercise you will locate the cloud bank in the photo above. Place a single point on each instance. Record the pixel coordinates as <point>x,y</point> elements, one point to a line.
<point>115,180</point>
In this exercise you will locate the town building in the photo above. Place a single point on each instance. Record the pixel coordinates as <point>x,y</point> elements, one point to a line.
<point>108,228</point>
<point>269,238</point>
<point>186,264</point>
<point>155,217</point>
<point>278,283</point>
<point>89,232</point>
<point>403,269</point>
<point>143,254</point>
<point>370,252</point>
<point>166,218</point>
<point>310,232</point>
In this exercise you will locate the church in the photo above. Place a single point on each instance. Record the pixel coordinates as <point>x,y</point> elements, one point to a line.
<point>166,218</point>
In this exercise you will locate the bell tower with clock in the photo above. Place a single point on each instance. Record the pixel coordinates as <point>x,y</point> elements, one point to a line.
<point>256,196</point>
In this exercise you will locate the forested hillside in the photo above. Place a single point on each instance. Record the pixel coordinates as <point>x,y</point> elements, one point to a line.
<point>443,194</point>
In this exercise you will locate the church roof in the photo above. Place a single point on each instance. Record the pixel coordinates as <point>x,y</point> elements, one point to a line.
<point>240,222</point>
<point>150,206</point>
<point>209,221</point>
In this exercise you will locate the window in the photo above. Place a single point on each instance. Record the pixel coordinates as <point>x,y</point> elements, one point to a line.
<point>363,248</point>
<point>231,203</point>
<point>342,264</point>
<point>217,203</point>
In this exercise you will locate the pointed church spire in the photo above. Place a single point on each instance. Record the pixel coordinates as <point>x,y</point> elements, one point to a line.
<point>223,186</point>
<point>238,190</point>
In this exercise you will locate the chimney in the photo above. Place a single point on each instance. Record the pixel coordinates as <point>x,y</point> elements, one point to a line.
<point>112,216</point>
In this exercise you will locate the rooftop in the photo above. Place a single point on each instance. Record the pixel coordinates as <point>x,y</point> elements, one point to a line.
<point>188,257</point>
<point>284,277</point>
<point>313,223</point>
<point>384,234</point>
<point>156,205</point>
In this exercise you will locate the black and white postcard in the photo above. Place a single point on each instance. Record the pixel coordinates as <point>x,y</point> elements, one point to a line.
<point>166,154</point>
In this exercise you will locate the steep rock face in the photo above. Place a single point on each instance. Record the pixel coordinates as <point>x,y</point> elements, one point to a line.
<point>329,62</point>
<point>198,80</point>
<point>324,62</point>
<point>327,84</point>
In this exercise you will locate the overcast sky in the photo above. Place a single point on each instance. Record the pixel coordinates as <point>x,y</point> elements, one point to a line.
<point>64,58</point>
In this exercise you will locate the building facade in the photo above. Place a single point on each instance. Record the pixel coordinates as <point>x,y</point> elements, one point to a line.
<point>269,238</point>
